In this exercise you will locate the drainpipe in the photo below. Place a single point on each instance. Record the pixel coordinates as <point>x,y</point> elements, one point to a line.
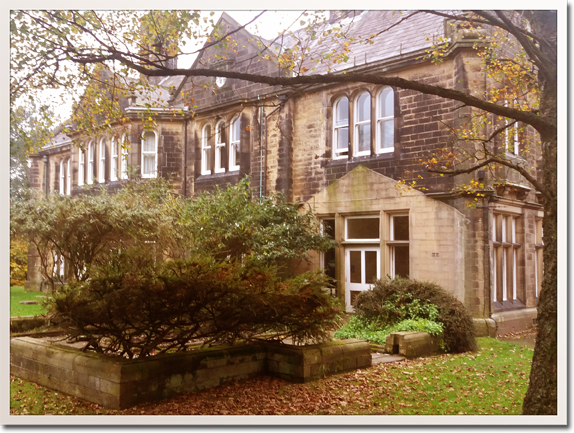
<point>261,116</point>
<point>46,160</point>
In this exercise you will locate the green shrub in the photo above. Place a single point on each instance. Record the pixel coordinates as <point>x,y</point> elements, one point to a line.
<point>232,223</point>
<point>85,230</point>
<point>363,330</point>
<point>394,300</point>
<point>135,307</point>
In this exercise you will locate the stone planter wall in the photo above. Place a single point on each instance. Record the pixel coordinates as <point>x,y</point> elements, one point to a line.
<point>306,363</point>
<point>26,323</point>
<point>119,383</point>
<point>412,344</point>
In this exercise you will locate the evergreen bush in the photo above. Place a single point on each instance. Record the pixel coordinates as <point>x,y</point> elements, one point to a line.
<point>393,300</point>
<point>135,308</point>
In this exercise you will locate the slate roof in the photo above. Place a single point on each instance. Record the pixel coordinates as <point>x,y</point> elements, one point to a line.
<point>399,38</point>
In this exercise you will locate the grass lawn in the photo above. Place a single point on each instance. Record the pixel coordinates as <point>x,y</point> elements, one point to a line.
<point>492,381</point>
<point>17,294</point>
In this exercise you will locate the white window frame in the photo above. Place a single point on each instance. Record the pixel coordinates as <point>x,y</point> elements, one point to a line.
<point>102,161</point>
<point>81,166</point>
<point>205,149</point>
<point>91,149</point>
<point>234,143</point>
<point>381,119</point>
<point>363,284</point>
<point>114,159</point>
<point>124,159</point>
<point>62,177</point>
<point>69,176</point>
<point>219,148</point>
<point>511,137</point>
<point>145,153</point>
<point>343,152</point>
<point>505,257</point>
<point>358,123</point>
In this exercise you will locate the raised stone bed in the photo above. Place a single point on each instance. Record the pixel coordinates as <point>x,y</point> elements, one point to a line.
<point>412,344</point>
<point>119,383</point>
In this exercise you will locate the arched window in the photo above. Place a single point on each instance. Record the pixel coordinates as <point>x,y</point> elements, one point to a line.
<point>362,135</point>
<point>206,150</point>
<point>102,162</point>
<point>220,141</point>
<point>149,154</point>
<point>81,167</point>
<point>386,121</point>
<point>124,159</point>
<point>114,161</point>
<point>235,144</point>
<point>341,128</point>
<point>91,151</point>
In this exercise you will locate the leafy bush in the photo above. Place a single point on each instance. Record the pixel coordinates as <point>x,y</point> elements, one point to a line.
<point>87,229</point>
<point>134,307</point>
<point>393,300</point>
<point>232,223</point>
<point>128,291</point>
<point>18,261</point>
<point>373,332</point>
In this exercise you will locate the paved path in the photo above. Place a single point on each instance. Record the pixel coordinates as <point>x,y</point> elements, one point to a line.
<point>379,358</point>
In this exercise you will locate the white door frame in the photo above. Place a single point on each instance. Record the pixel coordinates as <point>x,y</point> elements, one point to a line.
<point>362,285</point>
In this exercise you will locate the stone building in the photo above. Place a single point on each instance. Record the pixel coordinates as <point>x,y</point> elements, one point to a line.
<point>342,150</point>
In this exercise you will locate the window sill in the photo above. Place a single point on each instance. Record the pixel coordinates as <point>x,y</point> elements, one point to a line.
<point>379,156</point>
<point>516,304</point>
<point>217,175</point>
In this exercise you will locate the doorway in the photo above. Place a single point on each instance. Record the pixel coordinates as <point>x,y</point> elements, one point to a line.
<point>362,266</point>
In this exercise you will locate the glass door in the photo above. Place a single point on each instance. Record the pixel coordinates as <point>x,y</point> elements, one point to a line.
<point>362,267</point>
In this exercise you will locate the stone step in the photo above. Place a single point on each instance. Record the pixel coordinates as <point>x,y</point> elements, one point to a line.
<point>28,302</point>
<point>381,358</point>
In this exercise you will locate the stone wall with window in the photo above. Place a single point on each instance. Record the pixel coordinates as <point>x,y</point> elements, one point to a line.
<point>381,232</point>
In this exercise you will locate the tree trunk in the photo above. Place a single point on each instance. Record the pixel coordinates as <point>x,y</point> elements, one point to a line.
<point>541,397</point>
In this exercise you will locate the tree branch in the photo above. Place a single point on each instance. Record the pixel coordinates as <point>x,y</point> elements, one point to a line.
<point>495,160</point>
<point>542,125</point>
